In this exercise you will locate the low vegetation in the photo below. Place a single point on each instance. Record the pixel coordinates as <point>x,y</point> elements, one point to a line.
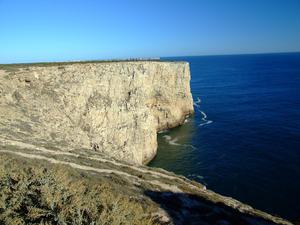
<point>55,195</point>
<point>16,66</point>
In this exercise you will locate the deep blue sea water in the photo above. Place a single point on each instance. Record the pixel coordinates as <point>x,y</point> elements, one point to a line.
<point>244,139</point>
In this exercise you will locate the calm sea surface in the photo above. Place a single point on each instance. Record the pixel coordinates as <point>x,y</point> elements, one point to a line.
<point>244,139</point>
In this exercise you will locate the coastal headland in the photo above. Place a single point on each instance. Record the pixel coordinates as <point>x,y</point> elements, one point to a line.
<point>75,138</point>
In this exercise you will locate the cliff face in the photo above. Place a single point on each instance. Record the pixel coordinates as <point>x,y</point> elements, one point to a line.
<point>115,108</point>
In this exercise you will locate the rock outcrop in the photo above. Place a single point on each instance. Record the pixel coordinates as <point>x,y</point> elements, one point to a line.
<point>112,107</point>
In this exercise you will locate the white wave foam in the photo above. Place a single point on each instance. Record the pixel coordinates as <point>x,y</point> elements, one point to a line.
<point>197,102</point>
<point>204,116</point>
<point>163,131</point>
<point>167,137</point>
<point>191,146</point>
<point>206,123</point>
<point>173,141</point>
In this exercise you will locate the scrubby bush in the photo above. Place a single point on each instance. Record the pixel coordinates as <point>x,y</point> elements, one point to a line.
<point>39,195</point>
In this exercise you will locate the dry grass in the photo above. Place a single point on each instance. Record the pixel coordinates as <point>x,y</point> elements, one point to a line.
<point>55,195</point>
<point>60,65</point>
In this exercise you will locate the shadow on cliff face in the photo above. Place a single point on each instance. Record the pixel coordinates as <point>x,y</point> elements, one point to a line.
<point>190,209</point>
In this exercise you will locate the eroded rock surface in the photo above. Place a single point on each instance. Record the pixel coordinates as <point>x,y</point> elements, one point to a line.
<point>116,108</point>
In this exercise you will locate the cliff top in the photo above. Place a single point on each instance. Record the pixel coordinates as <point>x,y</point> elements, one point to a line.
<point>14,66</point>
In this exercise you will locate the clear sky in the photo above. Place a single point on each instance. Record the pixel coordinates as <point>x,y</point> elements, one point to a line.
<point>55,30</point>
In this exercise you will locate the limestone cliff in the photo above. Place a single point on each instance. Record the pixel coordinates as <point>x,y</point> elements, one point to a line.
<point>116,108</point>
<point>73,137</point>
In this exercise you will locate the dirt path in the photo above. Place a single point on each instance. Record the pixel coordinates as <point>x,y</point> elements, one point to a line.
<point>164,186</point>
<point>56,152</point>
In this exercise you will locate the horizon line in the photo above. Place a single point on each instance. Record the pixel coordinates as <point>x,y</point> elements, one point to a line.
<point>149,58</point>
<point>232,54</point>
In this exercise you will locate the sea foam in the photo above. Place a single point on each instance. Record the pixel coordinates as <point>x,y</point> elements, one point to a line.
<point>204,116</point>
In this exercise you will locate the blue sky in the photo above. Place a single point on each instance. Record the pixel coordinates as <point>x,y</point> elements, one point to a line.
<point>57,30</point>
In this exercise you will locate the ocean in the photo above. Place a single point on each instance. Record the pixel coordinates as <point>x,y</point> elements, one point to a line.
<point>244,139</point>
